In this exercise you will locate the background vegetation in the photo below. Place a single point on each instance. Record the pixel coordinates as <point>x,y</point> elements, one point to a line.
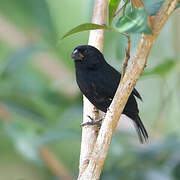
<point>40,104</point>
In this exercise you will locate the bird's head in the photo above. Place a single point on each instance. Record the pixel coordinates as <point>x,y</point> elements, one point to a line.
<point>87,55</point>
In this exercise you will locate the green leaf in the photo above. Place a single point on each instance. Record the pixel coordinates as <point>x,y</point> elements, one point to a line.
<point>84,27</point>
<point>113,5</point>
<point>135,21</point>
<point>162,69</point>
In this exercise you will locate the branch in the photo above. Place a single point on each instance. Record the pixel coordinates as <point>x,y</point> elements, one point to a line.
<point>125,88</point>
<point>54,165</point>
<point>118,11</point>
<point>127,57</point>
<point>4,114</point>
<point>90,133</point>
<point>137,3</point>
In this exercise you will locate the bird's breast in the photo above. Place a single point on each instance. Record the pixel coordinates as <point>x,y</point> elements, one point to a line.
<point>86,82</point>
<point>90,85</point>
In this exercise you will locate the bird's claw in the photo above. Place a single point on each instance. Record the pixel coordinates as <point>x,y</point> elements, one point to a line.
<point>92,122</point>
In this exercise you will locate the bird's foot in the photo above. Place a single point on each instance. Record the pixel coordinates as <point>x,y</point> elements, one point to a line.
<point>93,122</point>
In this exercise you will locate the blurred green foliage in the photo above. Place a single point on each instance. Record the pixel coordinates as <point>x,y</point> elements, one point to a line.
<point>36,110</point>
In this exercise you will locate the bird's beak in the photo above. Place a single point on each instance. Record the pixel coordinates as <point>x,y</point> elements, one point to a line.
<point>76,55</point>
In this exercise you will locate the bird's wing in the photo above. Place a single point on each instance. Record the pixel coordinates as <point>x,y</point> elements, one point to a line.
<point>117,76</point>
<point>107,81</point>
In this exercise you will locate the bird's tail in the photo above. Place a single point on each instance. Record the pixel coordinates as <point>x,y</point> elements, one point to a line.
<point>140,129</point>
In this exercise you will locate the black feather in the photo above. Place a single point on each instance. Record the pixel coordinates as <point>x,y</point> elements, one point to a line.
<point>136,93</point>
<point>98,81</point>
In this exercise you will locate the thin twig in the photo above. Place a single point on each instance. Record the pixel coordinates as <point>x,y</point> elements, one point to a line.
<point>137,3</point>
<point>4,113</point>
<point>54,165</point>
<point>118,11</point>
<point>127,57</point>
<point>123,7</point>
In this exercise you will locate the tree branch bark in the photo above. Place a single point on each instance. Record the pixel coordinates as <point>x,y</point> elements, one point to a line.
<point>125,88</point>
<point>137,3</point>
<point>90,133</point>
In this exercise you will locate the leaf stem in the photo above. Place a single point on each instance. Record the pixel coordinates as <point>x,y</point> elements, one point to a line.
<point>115,30</point>
<point>123,7</point>
<point>118,11</point>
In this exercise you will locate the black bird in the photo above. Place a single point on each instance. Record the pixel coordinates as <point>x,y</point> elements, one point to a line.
<point>98,81</point>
